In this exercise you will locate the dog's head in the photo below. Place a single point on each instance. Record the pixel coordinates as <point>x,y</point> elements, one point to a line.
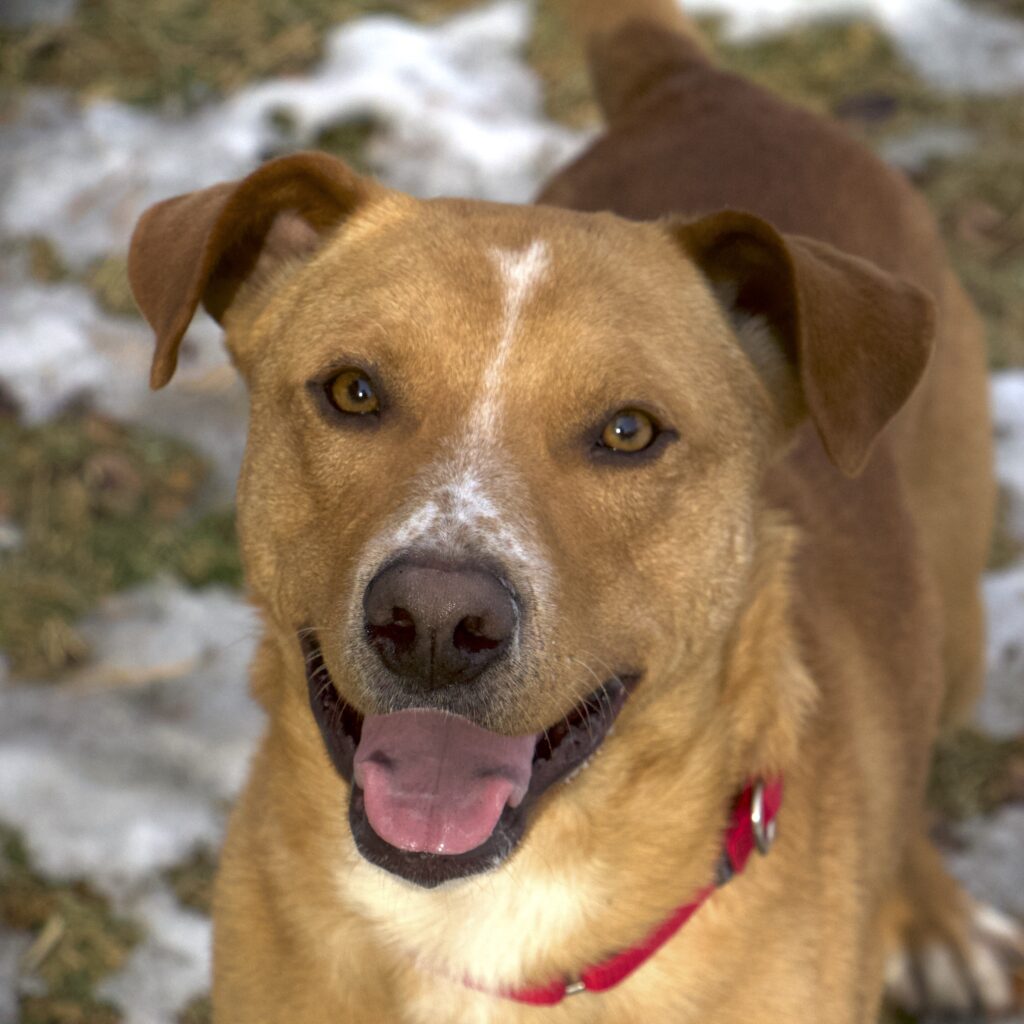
<point>505,468</point>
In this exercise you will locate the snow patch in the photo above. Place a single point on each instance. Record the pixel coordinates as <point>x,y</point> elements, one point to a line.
<point>168,969</point>
<point>914,151</point>
<point>953,46</point>
<point>989,863</point>
<point>163,631</point>
<point>23,13</point>
<point>13,947</point>
<point>119,784</point>
<point>1008,417</point>
<point>58,347</point>
<point>11,538</point>
<point>46,350</point>
<point>461,114</point>
<point>1001,709</point>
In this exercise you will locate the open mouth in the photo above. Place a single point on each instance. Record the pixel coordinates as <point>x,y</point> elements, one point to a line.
<point>435,797</point>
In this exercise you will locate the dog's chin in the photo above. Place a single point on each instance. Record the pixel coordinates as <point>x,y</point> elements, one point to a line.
<point>560,751</point>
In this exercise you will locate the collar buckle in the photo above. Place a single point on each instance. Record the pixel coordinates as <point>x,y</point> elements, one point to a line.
<point>763,828</point>
<point>574,988</point>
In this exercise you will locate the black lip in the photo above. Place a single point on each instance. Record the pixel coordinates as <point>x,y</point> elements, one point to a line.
<point>560,751</point>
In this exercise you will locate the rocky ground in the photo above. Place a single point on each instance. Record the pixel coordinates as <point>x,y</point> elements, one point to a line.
<point>125,725</point>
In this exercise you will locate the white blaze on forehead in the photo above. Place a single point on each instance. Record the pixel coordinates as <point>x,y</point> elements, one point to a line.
<point>468,498</point>
<point>519,271</point>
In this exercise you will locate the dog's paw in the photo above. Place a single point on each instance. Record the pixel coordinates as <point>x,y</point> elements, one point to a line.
<point>978,977</point>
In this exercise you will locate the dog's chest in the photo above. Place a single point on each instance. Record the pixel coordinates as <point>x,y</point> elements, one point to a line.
<point>490,932</point>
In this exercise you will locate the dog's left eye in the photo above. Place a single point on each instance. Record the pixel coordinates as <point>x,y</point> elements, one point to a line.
<point>629,431</point>
<point>351,391</point>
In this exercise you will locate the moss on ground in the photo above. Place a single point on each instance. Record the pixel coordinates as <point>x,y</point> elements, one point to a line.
<point>1007,547</point>
<point>100,506</point>
<point>192,880</point>
<point>555,54</point>
<point>973,773</point>
<point>78,939</point>
<point>55,1010</point>
<point>1013,8</point>
<point>199,1011</point>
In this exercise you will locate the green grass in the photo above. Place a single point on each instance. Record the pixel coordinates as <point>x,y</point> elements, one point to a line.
<point>101,507</point>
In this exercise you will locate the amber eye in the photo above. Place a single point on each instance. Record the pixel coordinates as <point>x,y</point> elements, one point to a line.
<point>351,391</point>
<point>629,431</point>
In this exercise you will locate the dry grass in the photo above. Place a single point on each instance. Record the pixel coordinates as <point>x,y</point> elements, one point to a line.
<point>101,507</point>
<point>185,51</point>
<point>199,1011</point>
<point>88,941</point>
<point>192,880</point>
<point>975,774</point>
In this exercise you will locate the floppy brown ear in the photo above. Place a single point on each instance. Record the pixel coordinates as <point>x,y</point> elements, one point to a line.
<point>201,247</point>
<point>857,338</point>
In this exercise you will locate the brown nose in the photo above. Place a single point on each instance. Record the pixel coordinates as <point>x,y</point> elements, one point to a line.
<point>438,625</point>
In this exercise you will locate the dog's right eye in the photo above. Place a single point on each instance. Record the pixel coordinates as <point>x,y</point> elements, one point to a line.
<point>629,431</point>
<point>352,392</point>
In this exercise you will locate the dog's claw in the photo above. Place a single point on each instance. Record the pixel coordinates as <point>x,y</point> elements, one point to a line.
<point>982,980</point>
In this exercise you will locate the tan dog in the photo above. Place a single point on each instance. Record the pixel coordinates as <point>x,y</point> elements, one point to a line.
<point>515,474</point>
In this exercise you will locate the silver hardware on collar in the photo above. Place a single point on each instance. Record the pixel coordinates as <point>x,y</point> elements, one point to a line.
<point>574,988</point>
<point>764,831</point>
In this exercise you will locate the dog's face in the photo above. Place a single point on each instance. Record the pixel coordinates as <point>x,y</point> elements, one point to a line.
<point>504,467</point>
<point>503,479</point>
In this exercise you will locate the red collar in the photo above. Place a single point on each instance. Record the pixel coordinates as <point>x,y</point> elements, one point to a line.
<point>751,826</point>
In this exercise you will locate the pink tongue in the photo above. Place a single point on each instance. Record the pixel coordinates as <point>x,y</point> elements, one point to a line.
<point>436,782</point>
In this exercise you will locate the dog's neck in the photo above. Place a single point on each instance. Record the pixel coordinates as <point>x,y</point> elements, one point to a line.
<point>767,689</point>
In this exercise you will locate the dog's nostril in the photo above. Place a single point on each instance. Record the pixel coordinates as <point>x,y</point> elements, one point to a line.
<point>471,636</point>
<point>398,630</point>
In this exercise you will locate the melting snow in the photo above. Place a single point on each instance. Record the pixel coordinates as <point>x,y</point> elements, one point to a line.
<point>168,969</point>
<point>57,346</point>
<point>22,13</point>
<point>1001,711</point>
<point>47,354</point>
<point>461,115</point>
<point>989,865</point>
<point>120,783</point>
<point>952,45</point>
<point>1008,414</point>
<point>12,948</point>
<point>117,776</point>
